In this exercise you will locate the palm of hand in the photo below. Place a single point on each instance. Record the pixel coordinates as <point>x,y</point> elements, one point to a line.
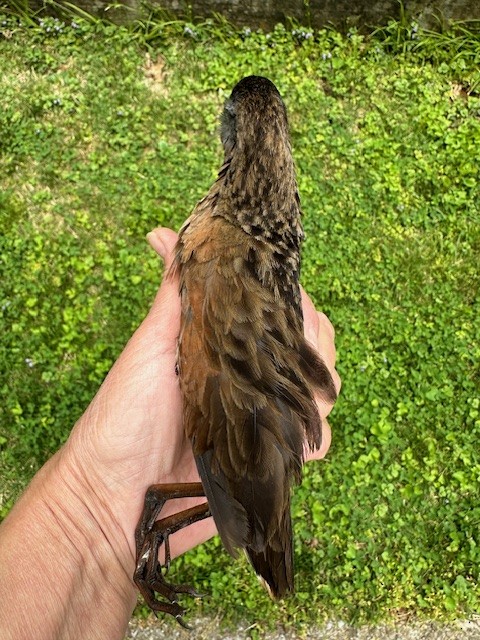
<point>131,436</point>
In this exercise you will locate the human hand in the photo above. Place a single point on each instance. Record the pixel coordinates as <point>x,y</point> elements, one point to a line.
<point>131,435</point>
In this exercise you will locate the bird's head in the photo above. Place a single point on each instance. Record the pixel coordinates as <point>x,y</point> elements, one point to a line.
<point>254,116</point>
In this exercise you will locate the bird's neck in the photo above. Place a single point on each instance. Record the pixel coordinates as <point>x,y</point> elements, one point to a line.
<point>259,191</point>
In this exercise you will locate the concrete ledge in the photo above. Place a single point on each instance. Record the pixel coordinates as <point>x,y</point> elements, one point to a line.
<point>365,14</point>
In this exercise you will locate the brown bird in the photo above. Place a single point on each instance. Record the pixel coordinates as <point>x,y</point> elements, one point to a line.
<point>247,374</point>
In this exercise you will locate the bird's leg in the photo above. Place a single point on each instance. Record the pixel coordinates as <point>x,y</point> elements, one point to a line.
<point>150,534</point>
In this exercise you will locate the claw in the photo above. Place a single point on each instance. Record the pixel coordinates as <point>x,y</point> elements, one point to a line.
<point>182,622</point>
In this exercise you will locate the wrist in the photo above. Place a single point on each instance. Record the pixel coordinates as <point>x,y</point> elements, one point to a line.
<point>60,567</point>
<point>82,509</point>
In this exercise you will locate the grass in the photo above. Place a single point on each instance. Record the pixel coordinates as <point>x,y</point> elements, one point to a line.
<point>106,132</point>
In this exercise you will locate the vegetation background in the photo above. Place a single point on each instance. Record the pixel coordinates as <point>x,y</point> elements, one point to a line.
<point>107,132</point>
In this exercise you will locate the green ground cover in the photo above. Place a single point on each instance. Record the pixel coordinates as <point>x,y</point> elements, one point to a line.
<point>106,133</point>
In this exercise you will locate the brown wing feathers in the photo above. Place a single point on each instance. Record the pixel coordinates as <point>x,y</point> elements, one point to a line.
<point>247,410</point>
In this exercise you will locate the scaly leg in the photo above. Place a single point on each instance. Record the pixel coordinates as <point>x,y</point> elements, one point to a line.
<point>150,534</point>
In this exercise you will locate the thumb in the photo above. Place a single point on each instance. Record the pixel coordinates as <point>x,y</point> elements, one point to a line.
<point>163,240</point>
<point>165,311</point>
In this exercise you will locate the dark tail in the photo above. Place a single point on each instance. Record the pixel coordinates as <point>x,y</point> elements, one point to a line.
<point>274,564</point>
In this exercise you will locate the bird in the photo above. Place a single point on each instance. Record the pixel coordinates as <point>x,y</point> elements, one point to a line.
<point>247,375</point>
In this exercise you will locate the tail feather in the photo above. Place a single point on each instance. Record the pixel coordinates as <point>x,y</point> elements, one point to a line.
<point>274,565</point>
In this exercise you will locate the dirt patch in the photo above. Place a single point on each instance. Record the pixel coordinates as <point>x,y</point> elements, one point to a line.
<point>154,72</point>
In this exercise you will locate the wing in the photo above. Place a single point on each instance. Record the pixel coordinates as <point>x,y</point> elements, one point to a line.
<point>247,377</point>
